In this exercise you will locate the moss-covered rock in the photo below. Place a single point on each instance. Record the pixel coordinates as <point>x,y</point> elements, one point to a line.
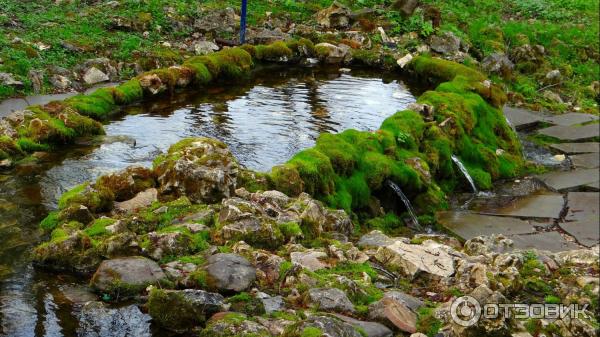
<point>128,276</point>
<point>182,310</point>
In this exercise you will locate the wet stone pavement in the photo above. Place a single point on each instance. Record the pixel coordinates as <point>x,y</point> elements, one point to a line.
<point>554,211</point>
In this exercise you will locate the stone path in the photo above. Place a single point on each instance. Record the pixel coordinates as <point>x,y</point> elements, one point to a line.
<point>563,217</point>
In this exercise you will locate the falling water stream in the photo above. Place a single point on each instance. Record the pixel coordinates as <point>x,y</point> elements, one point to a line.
<point>465,173</point>
<point>407,204</point>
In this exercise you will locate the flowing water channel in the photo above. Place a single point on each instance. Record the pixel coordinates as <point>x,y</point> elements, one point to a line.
<point>264,121</point>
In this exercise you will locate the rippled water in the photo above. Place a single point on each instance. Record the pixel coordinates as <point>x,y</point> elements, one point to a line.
<point>264,121</point>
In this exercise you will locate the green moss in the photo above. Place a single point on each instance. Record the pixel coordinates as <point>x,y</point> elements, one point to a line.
<point>50,222</point>
<point>311,331</point>
<point>202,75</point>
<point>273,52</point>
<point>290,230</point>
<point>388,223</point>
<point>67,197</point>
<point>99,105</point>
<point>129,92</point>
<point>438,70</point>
<point>427,323</point>
<point>98,227</point>
<point>29,145</point>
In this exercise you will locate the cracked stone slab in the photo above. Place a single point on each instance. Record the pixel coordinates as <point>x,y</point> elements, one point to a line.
<point>551,241</point>
<point>468,225</point>
<point>571,118</point>
<point>582,206</point>
<point>533,206</point>
<point>572,133</point>
<point>570,180</point>
<point>586,160</point>
<point>522,118</point>
<point>586,232</point>
<point>575,148</point>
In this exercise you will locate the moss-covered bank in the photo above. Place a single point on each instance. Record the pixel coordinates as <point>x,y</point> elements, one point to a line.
<point>413,149</point>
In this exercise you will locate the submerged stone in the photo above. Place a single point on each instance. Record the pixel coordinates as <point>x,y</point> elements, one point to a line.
<point>532,206</point>
<point>470,225</point>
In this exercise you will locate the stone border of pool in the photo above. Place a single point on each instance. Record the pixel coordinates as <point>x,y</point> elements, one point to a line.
<point>461,116</point>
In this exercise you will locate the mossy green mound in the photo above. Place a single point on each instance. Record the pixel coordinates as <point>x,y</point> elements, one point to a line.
<point>346,170</point>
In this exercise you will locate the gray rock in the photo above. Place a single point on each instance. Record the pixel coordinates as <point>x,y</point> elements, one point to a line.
<point>497,63</point>
<point>430,259</point>
<point>528,53</point>
<point>271,303</point>
<point>312,260</point>
<point>9,80</point>
<point>60,82</point>
<point>229,272</point>
<point>130,273</point>
<point>330,299</point>
<point>37,80</point>
<point>446,44</point>
<point>205,47</point>
<point>335,16</point>
<point>372,329</point>
<point>406,7</point>
<point>329,326</point>
<point>335,54</point>
<point>141,200</point>
<point>377,309</point>
<point>97,320</point>
<point>217,21</point>
<point>94,75</point>
<point>374,239</point>
<point>193,307</point>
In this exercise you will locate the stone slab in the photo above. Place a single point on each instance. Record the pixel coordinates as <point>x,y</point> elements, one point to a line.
<point>571,118</point>
<point>583,206</point>
<point>572,133</point>
<point>533,206</point>
<point>586,160</point>
<point>551,241</point>
<point>586,232</point>
<point>575,148</point>
<point>522,118</point>
<point>468,225</point>
<point>570,180</point>
<point>595,186</point>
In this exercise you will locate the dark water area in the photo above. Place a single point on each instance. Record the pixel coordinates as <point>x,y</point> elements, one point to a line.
<point>264,121</point>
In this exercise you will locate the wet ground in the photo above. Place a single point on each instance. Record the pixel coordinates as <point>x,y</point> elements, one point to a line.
<point>264,122</point>
<point>554,211</point>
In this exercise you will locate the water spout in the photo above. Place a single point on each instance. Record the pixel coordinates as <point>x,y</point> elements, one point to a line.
<point>406,202</point>
<point>464,171</point>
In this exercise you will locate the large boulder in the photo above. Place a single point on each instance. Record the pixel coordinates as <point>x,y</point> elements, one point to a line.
<point>127,183</point>
<point>202,169</point>
<point>97,320</point>
<point>181,310</point>
<point>430,259</point>
<point>229,272</point>
<point>127,276</point>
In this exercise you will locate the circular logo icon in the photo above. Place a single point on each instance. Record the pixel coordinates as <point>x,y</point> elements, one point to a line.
<point>465,311</point>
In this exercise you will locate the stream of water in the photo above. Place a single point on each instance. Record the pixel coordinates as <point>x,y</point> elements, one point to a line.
<point>264,121</point>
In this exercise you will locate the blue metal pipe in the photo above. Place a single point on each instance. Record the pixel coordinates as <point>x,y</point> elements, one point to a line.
<point>243,22</point>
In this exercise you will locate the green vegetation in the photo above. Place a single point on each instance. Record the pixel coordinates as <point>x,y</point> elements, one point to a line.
<point>347,169</point>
